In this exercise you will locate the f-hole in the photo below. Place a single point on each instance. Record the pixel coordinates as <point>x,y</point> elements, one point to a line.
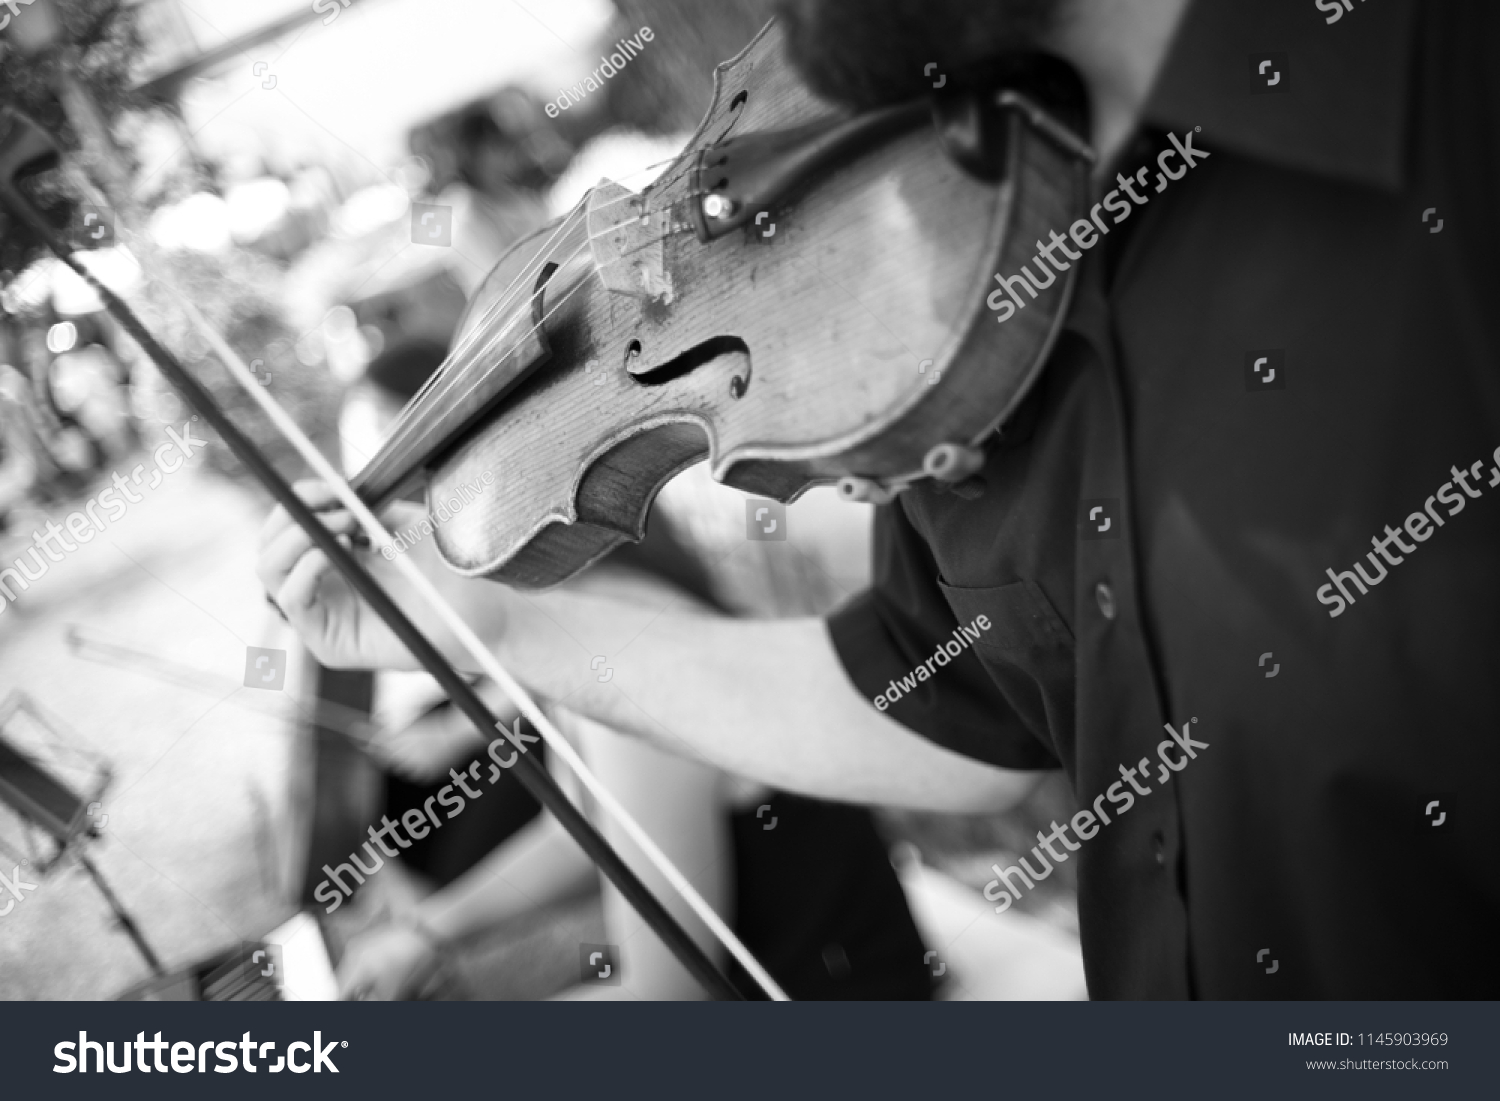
<point>691,360</point>
<point>734,110</point>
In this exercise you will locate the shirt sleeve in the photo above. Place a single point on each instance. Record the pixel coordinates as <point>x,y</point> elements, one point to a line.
<point>882,635</point>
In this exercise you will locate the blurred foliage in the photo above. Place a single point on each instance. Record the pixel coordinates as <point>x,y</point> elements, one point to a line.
<point>105,45</point>
<point>237,294</point>
<point>90,50</point>
<point>95,43</point>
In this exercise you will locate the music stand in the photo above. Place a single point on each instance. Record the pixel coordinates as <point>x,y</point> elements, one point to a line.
<point>40,776</point>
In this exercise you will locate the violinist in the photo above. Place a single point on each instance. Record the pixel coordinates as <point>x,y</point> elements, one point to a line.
<point>1286,351</point>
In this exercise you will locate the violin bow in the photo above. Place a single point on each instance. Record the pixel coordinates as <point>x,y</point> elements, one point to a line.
<point>24,145</point>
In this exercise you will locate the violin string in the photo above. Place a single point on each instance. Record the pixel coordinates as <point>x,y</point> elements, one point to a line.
<point>489,340</point>
<point>529,272</point>
<point>466,344</point>
<point>542,257</point>
<point>466,348</point>
<point>382,540</point>
<point>542,254</point>
<point>406,421</point>
<point>507,298</point>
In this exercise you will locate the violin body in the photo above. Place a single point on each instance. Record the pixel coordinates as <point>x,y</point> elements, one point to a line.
<point>797,310</point>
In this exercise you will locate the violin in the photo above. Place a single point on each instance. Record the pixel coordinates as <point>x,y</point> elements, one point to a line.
<point>801,297</point>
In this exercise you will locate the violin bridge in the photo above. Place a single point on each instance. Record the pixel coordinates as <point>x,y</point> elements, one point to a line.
<point>628,246</point>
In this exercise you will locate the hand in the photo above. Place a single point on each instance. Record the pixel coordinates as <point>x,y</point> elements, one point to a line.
<point>386,964</point>
<point>336,624</point>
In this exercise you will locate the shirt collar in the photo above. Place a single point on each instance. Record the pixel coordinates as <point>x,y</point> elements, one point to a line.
<point>1344,109</point>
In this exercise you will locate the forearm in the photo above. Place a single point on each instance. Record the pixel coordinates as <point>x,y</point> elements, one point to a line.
<point>767,699</point>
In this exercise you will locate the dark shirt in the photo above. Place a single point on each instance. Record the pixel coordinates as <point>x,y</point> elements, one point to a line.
<point>1334,834</point>
<point>819,905</point>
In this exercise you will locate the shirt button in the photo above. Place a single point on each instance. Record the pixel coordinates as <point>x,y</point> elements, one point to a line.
<point>1159,846</point>
<point>1106,597</point>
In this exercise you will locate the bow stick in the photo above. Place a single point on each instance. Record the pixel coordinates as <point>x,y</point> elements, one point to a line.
<point>23,144</point>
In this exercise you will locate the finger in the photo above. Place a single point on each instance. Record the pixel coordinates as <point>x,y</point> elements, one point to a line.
<point>357,992</point>
<point>278,554</point>
<point>315,494</point>
<point>350,977</point>
<point>277,558</point>
<point>395,514</point>
<point>274,525</point>
<point>298,594</point>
